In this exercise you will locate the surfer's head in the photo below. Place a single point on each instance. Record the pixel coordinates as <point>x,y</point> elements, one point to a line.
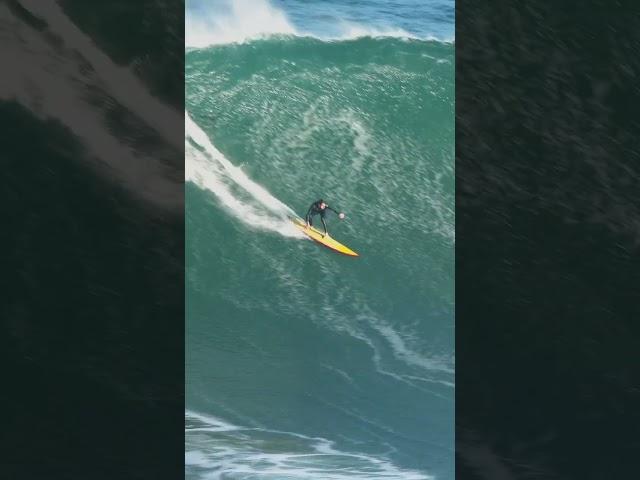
<point>322,204</point>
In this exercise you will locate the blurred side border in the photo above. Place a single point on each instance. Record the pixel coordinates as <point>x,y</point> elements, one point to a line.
<point>92,238</point>
<point>547,240</point>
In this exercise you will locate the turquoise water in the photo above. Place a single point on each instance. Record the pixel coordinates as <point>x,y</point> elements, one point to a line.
<point>302,363</point>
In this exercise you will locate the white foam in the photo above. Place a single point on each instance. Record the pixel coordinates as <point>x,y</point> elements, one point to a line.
<point>217,449</point>
<point>403,352</point>
<point>399,377</point>
<point>353,30</point>
<point>244,20</point>
<point>212,424</point>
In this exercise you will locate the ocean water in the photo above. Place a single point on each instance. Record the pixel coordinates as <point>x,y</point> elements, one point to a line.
<point>302,363</point>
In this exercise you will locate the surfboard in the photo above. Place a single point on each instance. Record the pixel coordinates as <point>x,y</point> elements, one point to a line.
<point>325,240</point>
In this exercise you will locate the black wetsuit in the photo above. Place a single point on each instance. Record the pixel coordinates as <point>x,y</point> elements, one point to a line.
<point>315,209</point>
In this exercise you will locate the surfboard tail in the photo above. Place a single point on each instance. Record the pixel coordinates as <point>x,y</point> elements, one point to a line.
<point>322,239</point>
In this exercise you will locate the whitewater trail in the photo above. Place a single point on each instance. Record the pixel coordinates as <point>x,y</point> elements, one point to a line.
<point>210,170</point>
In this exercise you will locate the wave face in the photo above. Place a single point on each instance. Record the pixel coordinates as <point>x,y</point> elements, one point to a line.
<point>302,363</point>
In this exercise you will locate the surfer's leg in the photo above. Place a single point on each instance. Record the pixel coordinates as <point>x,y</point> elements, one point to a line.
<point>323,224</point>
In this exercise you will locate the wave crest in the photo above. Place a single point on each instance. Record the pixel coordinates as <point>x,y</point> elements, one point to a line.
<point>239,21</point>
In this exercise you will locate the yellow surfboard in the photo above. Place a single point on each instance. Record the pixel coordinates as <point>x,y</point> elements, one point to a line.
<point>325,240</point>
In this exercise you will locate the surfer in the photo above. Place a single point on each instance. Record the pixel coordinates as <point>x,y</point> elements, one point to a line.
<point>319,207</point>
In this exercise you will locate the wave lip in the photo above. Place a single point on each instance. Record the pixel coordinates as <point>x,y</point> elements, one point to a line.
<point>247,20</point>
<point>244,20</point>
